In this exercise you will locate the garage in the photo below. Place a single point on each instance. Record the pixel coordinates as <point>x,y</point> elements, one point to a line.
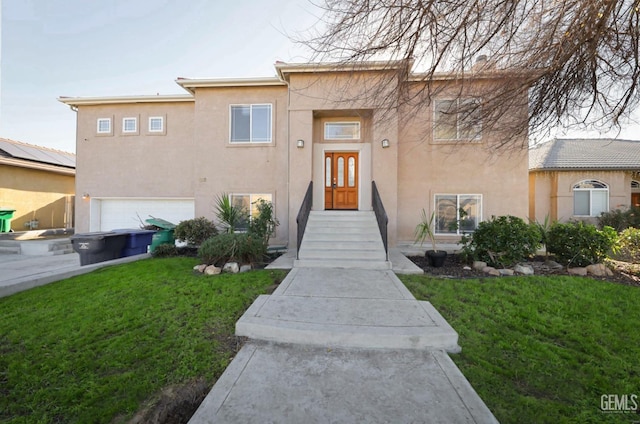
<point>109,214</point>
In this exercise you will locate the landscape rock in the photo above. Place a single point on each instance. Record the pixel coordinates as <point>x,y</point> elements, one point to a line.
<point>212,270</point>
<point>505,272</point>
<point>200,268</point>
<point>578,271</point>
<point>231,267</point>
<point>523,269</point>
<point>491,271</point>
<point>245,268</point>
<point>596,269</point>
<point>479,265</point>
<point>553,265</point>
<point>466,268</point>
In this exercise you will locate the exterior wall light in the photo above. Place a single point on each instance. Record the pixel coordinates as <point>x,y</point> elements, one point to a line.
<point>300,143</point>
<point>385,143</point>
<point>85,196</point>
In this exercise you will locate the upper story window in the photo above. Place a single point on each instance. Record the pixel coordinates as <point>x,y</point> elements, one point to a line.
<point>250,123</point>
<point>590,198</point>
<point>458,119</point>
<point>129,125</point>
<point>156,124</point>
<point>104,126</point>
<point>342,130</point>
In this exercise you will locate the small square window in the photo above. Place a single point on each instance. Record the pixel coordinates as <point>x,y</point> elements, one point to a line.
<point>129,125</point>
<point>104,125</point>
<point>156,124</point>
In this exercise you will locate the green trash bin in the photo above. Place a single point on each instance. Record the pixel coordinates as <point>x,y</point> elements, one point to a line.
<point>164,235</point>
<point>5,220</point>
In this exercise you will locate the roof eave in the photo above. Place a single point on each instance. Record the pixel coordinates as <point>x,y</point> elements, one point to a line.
<point>191,84</point>
<point>40,166</point>
<point>88,101</point>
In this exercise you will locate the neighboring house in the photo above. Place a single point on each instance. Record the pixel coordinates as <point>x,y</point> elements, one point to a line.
<point>170,156</point>
<point>581,178</point>
<point>39,183</point>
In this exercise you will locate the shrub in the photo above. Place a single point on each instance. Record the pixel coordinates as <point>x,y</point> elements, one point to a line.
<point>264,224</point>
<point>227,247</point>
<point>580,244</point>
<point>619,219</point>
<point>195,231</point>
<point>165,251</point>
<point>502,241</point>
<point>628,245</point>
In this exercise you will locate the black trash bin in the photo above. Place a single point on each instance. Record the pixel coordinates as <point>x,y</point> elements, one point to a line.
<point>99,246</point>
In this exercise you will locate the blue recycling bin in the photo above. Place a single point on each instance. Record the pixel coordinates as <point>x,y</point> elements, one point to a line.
<point>137,241</point>
<point>98,246</point>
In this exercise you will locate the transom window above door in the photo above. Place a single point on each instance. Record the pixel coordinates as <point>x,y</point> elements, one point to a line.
<point>342,130</point>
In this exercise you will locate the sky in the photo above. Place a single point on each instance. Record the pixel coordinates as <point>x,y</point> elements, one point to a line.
<point>77,48</point>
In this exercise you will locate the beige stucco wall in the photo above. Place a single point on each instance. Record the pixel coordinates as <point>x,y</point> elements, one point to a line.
<point>37,195</point>
<point>222,167</point>
<point>140,165</point>
<point>554,191</point>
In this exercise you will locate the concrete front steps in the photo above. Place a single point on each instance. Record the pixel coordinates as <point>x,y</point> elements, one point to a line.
<point>50,247</point>
<point>347,308</point>
<point>342,239</point>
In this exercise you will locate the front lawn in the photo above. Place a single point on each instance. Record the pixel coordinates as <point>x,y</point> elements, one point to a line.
<point>543,349</point>
<point>94,348</point>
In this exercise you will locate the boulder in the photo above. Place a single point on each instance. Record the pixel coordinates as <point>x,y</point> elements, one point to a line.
<point>212,270</point>
<point>599,270</point>
<point>553,265</point>
<point>523,269</point>
<point>479,265</point>
<point>491,271</point>
<point>245,268</point>
<point>231,267</point>
<point>506,272</point>
<point>578,271</point>
<point>200,268</point>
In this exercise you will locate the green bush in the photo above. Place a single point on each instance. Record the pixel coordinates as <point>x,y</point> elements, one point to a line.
<point>502,241</point>
<point>165,251</point>
<point>264,224</point>
<point>195,231</point>
<point>580,244</point>
<point>619,219</point>
<point>232,247</point>
<point>628,245</point>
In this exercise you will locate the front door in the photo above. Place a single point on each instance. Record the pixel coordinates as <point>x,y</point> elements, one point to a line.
<point>341,180</point>
<point>635,199</point>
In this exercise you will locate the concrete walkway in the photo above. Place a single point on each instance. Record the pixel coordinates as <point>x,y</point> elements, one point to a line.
<point>343,346</point>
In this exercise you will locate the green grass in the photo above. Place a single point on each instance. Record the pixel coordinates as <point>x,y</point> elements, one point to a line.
<point>543,349</point>
<point>93,348</point>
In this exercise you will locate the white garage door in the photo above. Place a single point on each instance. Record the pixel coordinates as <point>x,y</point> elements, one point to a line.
<point>128,213</point>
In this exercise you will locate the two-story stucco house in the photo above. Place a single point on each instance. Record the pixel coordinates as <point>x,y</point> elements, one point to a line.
<point>170,156</point>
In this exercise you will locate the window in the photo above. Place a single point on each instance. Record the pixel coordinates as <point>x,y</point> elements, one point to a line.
<point>457,213</point>
<point>342,130</point>
<point>251,123</point>
<point>129,125</point>
<point>156,124</point>
<point>590,198</point>
<point>104,125</point>
<point>248,203</point>
<point>457,120</point>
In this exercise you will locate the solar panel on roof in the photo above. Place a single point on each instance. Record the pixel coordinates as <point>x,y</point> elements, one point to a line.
<point>23,151</point>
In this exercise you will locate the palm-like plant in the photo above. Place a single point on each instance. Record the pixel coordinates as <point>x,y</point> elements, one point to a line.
<point>230,216</point>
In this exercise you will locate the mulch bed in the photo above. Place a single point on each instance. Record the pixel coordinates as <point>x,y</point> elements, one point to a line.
<point>623,272</point>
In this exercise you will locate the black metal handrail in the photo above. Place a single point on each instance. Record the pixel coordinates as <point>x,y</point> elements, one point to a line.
<point>381,216</point>
<point>303,216</point>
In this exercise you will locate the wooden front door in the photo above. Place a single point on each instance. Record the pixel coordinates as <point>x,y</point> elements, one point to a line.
<point>341,180</point>
<point>635,199</point>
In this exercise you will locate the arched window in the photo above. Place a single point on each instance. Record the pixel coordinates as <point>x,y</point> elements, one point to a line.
<point>590,198</point>
<point>635,185</point>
